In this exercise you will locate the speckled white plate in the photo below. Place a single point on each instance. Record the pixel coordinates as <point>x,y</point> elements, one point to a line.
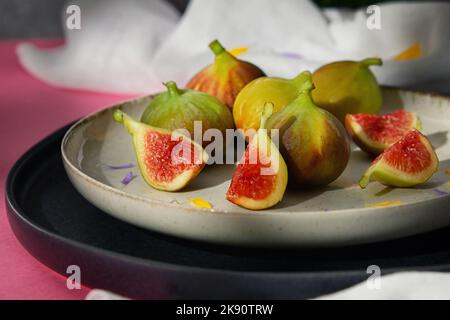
<point>340,214</point>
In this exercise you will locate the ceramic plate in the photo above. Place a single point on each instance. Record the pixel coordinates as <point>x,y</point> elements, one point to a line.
<point>336,215</point>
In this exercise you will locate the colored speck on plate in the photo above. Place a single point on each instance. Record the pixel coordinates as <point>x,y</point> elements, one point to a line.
<point>411,53</point>
<point>447,171</point>
<point>384,204</point>
<point>238,51</point>
<point>291,55</point>
<point>440,192</point>
<point>448,184</point>
<point>128,178</point>
<point>119,167</point>
<point>200,203</point>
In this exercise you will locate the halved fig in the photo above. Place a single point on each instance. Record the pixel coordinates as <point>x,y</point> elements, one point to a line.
<point>374,133</point>
<point>167,160</point>
<point>261,177</point>
<point>408,162</point>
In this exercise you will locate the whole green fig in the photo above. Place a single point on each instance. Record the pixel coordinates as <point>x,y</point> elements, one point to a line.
<point>312,141</point>
<point>179,109</point>
<point>348,87</point>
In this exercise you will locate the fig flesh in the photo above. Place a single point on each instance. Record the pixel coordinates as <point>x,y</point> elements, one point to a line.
<point>373,133</point>
<point>226,77</point>
<point>347,87</point>
<point>408,162</point>
<point>167,160</point>
<point>313,142</point>
<point>260,179</point>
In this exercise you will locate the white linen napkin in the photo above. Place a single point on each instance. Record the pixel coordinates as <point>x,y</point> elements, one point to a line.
<point>133,46</point>
<point>397,286</point>
<point>111,52</point>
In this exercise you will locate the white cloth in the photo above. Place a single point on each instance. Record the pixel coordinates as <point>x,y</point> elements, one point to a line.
<point>397,286</point>
<point>400,286</point>
<point>133,46</point>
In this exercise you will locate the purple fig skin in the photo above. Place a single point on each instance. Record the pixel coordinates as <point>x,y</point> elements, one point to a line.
<point>313,142</point>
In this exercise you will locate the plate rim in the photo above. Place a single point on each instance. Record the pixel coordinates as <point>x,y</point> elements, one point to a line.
<point>15,211</point>
<point>347,212</point>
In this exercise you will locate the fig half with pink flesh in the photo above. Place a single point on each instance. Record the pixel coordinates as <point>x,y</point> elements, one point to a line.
<point>373,133</point>
<point>408,162</point>
<point>261,176</point>
<point>167,160</point>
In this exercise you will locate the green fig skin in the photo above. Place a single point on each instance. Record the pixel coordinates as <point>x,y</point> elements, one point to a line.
<point>312,141</point>
<point>226,77</point>
<point>179,109</point>
<point>348,87</point>
<point>250,102</point>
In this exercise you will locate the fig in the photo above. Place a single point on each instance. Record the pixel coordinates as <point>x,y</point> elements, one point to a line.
<point>260,179</point>
<point>408,162</point>
<point>167,160</point>
<point>373,133</point>
<point>250,101</point>
<point>179,109</point>
<point>313,142</point>
<point>225,77</point>
<point>348,87</point>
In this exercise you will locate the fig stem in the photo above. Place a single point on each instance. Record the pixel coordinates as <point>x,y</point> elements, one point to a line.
<point>304,80</point>
<point>172,88</point>
<point>128,122</point>
<point>365,179</point>
<point>265,115</point>
<point>371,62</point>
<point>217,47</point>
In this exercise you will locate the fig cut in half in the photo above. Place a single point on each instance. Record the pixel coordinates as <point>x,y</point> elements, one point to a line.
<point>408,162</point>
<point>261,176</point>
<point>374,133</point>
<point>167,160</point>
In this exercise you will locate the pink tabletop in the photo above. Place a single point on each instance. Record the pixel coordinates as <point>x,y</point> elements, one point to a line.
<point>30,110</point>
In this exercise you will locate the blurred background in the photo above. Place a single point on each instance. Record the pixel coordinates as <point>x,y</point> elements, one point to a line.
<point>31,18</point>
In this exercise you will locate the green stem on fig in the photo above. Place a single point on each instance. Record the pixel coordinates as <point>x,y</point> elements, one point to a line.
<point>366,178</point>
<point>172,88</point>
<point>304,99</point>
<point>371,62</point>
<point>124,119</point>
<point>304,81</point>
<point>265,115</point>
<point>221,53</point>
<point>217,47</point>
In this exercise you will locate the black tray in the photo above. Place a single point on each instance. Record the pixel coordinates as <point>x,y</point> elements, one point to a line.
<point>60,228</point>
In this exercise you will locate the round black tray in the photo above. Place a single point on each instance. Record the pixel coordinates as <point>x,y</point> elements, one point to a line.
<point>60,228</point>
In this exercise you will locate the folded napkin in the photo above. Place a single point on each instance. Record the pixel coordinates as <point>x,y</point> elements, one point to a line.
<point>111,52</point>
<point>400,286</point>
<point>131,47</point>
<point>397,286</point>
